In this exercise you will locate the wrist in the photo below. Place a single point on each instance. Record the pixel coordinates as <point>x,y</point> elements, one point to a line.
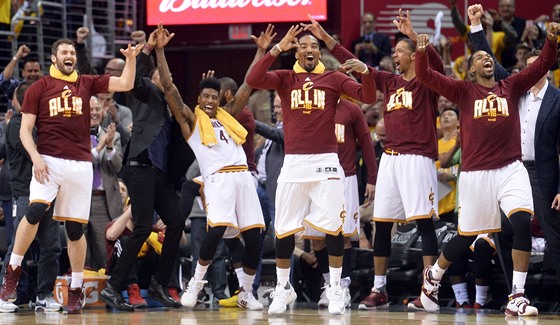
<point>15,58</point>
<point>147,48</point>
<point>277,46</point>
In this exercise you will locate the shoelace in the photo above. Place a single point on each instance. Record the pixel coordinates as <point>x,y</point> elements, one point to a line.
<point>281,294</point>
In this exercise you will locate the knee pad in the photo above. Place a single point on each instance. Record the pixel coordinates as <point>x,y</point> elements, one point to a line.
<point>35,212</point>
<point>335,244</point>
<point>382,239</point>
<point>252,248</point>
<point>285,247</point>
<point>210,243</point>
<point>457,246</point>
<point>74,230</point>
<point>521,224</point>
<point>429,240</point>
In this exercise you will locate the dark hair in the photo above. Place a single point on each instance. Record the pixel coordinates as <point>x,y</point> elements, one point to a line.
<point>531,54</point>
<point>21,89</point>
<point>32,60</point>
<point>227,83</point>
<point>56,44</point>
<point>469,62</point>
<point>410,43</point>
<point>212,83</point>
<point>450,109</point>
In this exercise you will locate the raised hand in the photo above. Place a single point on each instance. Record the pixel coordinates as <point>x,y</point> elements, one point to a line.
<point>162,36</point>
<point>404,25</point>
<point>22,52</point>
<point>111,129</point>
<point>138,36</point>
<point>290,41</point>
<point>265,38</point>
<point>552,30</point>
<point>209,74</point>
<point>354,65</point>
<point>475,12</point>
<point>82,34</point>
<point>422,42</point>
<point>132,51</point>
<point>318,31</point>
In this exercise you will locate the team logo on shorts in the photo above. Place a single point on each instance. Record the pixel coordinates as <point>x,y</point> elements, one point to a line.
<point>343,215</point>
<point>431,196</point>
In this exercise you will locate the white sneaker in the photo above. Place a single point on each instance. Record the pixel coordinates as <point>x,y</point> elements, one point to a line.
<point>347,297</point>
<point>429,294</point>
<point>7,307</point>
<point>48,304</point>
<point>337,303</point>
<point>281,297</point>
<point>189,297</point>
<point>323,301</point>
<point>246,300</point>
<point>518,305</point>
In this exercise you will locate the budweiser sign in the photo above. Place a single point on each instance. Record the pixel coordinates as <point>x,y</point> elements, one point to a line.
<point>191,12</point>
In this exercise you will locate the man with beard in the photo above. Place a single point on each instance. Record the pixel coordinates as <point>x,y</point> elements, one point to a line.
<point>58,104</point>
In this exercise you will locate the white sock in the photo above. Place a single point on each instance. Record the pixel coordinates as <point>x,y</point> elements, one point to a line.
<point>461,293</point>
<point>247,282</point>
<point>518,282</point>
<point>283,276</point>
<point>336,273</point>
<point>77,280</point>
<point>437,272</point>
<point>482,295</point>
<point>379,281</point>
<point>327,277</point>
<point>200,271</point>
<point>240,276</point>
<point>16,259</point>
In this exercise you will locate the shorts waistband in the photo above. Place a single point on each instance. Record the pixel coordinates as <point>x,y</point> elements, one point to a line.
<point>233,169</point>
<point>391,152</point>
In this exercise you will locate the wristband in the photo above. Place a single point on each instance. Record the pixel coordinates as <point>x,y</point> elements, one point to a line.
<point>365,70</point>
<point>14,58</point>
<point>279,48</point>
<point>148,47</point>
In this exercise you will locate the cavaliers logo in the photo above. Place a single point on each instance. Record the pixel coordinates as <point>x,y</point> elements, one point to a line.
<point>343,215</point>
<point>431,196</point>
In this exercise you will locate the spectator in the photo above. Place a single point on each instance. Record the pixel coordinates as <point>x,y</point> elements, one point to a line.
<point>372,46</point>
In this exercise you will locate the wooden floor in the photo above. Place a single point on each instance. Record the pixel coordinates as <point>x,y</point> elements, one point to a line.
<point>306,314</point>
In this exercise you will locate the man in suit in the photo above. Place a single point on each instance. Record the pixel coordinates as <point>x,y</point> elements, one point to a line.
<point>156,157</point>
<point>539,112</point>
<point>372,46</point>
<point>106,204</point>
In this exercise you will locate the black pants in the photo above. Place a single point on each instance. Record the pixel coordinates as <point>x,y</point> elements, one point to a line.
<point>149,190</point>
<point>548,218</point>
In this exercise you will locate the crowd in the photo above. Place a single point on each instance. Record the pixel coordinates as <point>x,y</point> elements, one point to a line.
<point>365,139</point>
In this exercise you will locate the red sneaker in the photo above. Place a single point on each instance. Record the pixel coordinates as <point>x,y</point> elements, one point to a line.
<point>75,301</point>
<point>8,292</point>
<point>477,306</point>
<point>174,293</point>
<point>464,305</point>
<point>375,300</point>
<point>134,297</point>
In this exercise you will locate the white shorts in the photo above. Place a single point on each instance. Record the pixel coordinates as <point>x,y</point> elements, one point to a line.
<point>231,200</point>
<point>70,183</point>
<point>351,226</point>
<point>317,205</point>
<point>482,194</point>
<point>406,189</point>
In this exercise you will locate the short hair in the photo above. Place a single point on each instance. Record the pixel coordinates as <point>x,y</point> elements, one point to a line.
<point>31,59</point>
<point>470,61</point>
<point>451,109</point>
<point>228,83</point>
<point>531,54</point>
<point>212,83</point>
<point>410,43</point>
<point>21,89</point>
<point>59,42</point>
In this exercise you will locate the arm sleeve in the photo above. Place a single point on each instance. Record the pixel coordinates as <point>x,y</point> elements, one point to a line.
<point>480,43</point>
<point>445,86</point>
<point>84,63</point>
<point>269,132</point>
<point>260,78</point>
<point>366,143</point>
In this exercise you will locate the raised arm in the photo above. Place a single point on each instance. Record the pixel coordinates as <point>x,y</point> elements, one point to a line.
<point>480,42</point>
<point>84,63</point>
<point>456,18</point>
<point>22,52</point>
<point>270,132</point>
<point>182,113</point>
<point>242,95</point>
<point>126,81</point>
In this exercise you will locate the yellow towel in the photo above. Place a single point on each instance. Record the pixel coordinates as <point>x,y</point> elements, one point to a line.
<point>319,69</point>
<point>233,128</point>
<point>55,73</point>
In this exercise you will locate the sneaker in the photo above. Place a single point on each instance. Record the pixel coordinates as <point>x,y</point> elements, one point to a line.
<point>229,302</point>
<point>8,291</point>
<point>337,303</point>
<point>48,304</point>
<point>477,306</point>
<point>377,299</point>
<point>245,299</point>
<point>75,301</point>
<point>189,297</point>
<point>415,304</point>
<point>518,305</point>
<point>134,297</point>
<point>174,293</point>
<point>429,294</point>
<point>7,307</point>
<point>464,305</point>
<point>347,297</point>
<point>323,301</point>
<point>281,297</point>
